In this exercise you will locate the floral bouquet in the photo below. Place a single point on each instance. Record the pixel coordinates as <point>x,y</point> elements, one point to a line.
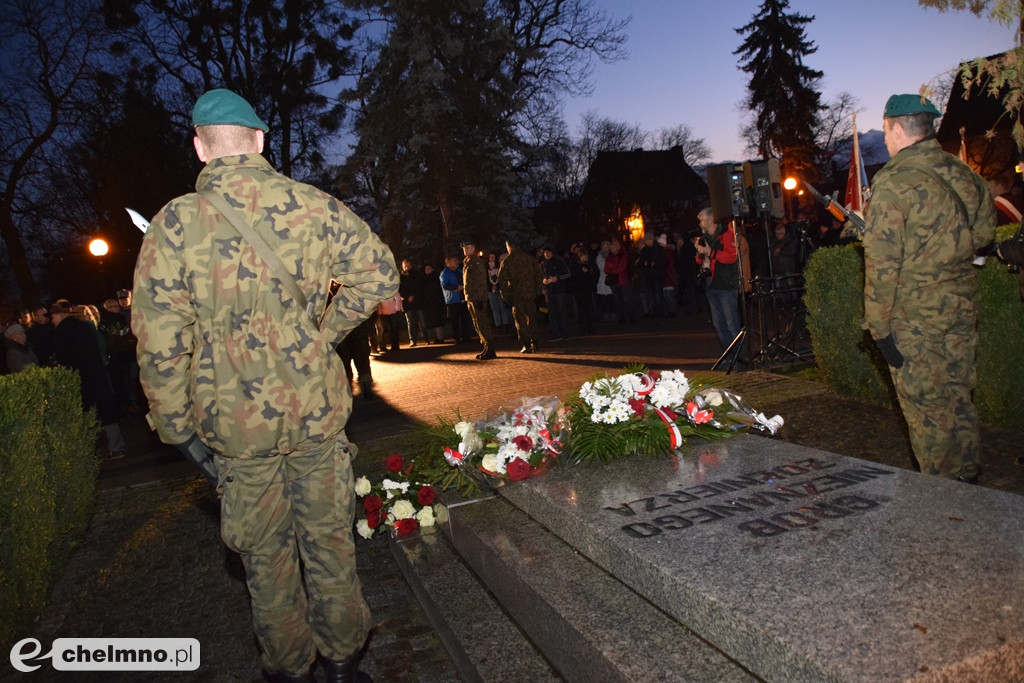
<point>511,444</point>
<point>397,503</point>
<point>653,412</point>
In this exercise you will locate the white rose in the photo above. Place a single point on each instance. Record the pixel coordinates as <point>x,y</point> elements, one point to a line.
<point>470,439</point>
<point>713,398</point>
<point>440,513</point>
<point>403,509</point>
<point>490,463</point>
<point>363,528</point>
<point>362,486</point>
<point>425,517</point>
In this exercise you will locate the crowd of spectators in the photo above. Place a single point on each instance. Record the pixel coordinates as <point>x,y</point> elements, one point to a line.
<point>99,346</point>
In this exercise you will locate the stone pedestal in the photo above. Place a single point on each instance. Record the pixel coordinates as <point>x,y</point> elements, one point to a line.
<point>791,564</point>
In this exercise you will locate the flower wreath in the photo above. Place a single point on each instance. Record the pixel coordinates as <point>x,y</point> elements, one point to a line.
<point>652,412</point>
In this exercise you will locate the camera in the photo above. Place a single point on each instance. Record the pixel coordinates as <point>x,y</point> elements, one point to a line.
<point>701,242</point>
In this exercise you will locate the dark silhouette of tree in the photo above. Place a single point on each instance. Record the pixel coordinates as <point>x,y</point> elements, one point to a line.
<point>286,57</point>
<point>782,93</point>
<point>454,109</point>
<point>48,48</point>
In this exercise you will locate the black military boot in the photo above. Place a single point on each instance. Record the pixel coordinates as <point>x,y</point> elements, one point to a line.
<point>288,678</point>
<point>346,671</point>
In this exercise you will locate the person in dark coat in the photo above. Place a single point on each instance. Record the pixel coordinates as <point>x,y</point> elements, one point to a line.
<point>75,346</point>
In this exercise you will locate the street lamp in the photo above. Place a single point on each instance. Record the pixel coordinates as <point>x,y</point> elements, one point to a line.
<point>791,184</point>
<point>98,247</point>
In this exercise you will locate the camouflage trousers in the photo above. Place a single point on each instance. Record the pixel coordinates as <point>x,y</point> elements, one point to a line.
<point>524,315</point>
<point>482,323</point>
<point>934,388</point>
<point>290,518</point>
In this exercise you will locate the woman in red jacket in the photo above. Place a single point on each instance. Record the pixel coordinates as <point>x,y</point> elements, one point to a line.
<point>616,270</point>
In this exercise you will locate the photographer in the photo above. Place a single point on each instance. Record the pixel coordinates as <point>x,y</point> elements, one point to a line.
<point>716,250</point>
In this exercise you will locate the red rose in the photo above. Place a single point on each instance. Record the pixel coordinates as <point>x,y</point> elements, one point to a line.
<point>372,504</point>
<point>375,519</point>
<point>638,406</point>
<point>523,442</point>
<point>425,496</point>
<point>394,463</point>
<point>518,469</point>
<point>671,414</point>
<point>404,527</point>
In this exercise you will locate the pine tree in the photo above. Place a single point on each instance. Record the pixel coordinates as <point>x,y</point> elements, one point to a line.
<point>782,94</point>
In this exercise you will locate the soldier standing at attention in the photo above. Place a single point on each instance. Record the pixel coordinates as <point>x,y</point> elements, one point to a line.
<point>519,284</point>
<point>929,213</point>
<point>234,367</point>
<point>475,288</point>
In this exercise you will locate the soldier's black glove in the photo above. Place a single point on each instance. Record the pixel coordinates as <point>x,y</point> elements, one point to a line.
<point>889,351</point>
<point>200,455</point>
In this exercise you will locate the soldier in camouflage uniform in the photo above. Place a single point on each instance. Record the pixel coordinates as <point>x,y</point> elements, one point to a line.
<point>231,363</point>
<point>519,283</point>
<point>929,213</point>
<point>475,288</point>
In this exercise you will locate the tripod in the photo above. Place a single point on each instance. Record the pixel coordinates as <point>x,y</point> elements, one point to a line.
<point>772,292</point>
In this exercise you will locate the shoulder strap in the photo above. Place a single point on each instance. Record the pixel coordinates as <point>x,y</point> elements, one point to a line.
<point>945,183</point>
<point>261,247</point>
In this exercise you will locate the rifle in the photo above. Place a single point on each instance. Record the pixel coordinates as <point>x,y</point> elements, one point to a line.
<point>837,210</point>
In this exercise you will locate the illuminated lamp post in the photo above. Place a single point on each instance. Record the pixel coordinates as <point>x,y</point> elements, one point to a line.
<point>99,248</point>
<point>790,184</point>
<point>635,225</point>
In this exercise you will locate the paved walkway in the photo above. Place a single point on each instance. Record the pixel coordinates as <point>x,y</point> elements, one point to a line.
<point>152,564</point>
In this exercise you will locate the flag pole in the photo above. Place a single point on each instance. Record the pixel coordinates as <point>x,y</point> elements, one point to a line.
<point>856,152</point>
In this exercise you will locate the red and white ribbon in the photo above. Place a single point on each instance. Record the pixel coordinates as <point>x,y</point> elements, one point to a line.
<point>674,435</point>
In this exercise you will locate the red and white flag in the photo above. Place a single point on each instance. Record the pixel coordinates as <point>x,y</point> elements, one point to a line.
<point>857,181</point>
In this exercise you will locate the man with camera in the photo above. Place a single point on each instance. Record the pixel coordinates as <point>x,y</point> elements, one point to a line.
<point>717,254</point>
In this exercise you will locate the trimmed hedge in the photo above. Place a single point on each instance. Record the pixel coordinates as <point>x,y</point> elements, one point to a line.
<point>851,364</point>
<point>48,471</point>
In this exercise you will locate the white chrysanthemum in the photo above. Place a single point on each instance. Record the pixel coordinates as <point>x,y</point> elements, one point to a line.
<point>391,485</point>
<point>363,529</point>
<point>403,509</point>
<point>362,486</point>
<point>425,517</point>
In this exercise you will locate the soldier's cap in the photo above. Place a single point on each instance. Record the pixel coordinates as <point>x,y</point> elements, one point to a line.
<point>222,107</point>
<point>548,247</point>
<point>905,105</point>
<point>124,293</point>
<point>467,243</point>
<point>61,306</point>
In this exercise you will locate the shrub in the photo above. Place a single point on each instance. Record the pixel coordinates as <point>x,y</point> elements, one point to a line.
<point>47,488</point>
<point>851,364</point>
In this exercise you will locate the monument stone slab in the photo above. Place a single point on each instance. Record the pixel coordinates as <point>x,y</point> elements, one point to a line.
<point>801,564</point>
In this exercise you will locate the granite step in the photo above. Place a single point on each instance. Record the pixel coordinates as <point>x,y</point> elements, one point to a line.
<point>484,643</point>
<point>588,624</point>
<point>798,564</point>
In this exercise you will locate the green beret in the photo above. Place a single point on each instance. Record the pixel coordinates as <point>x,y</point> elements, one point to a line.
<point>904,105</point>
<point>223,107</point>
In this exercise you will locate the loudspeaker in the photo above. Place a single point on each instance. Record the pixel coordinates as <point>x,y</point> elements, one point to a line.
<point>728,191</point>
<point>762,177</point>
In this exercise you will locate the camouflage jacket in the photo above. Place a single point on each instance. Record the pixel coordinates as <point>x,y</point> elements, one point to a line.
<point>519,278</point>
<point>928,214</point>
<point>474,278</point>
<point>224,351</point>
